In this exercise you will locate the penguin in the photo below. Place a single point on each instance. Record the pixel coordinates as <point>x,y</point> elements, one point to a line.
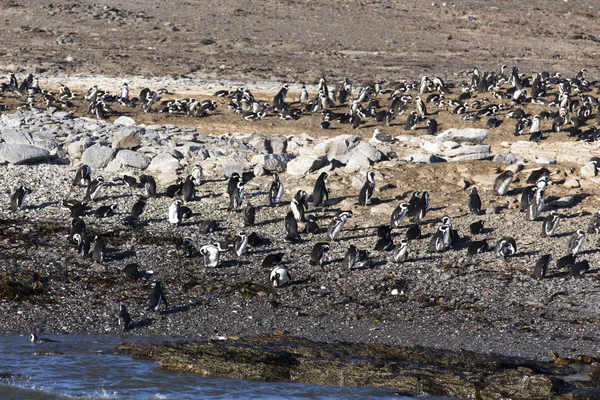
<point>453,237</point>
<point>93,189</point>
<point>279,276</point>
<point>249,215</point>
<point>541,266</point>
<point>421,206</point>
<point>233,183</point>
<point>99,249</point>
<point>439,240</point>
<point>474,202</point>
<point>185,246</point>
<point>83,244</point>
<point>312,226</point>
<point>197,174</point>
<point>291,227</point>
<point>33,338</point>
<point>106,211</point>
<point>131,272</point>
<point>76,207</point>
<point>279,99</point>
<point>351,256</point>
<point>536,206</point>
<point>565,262</point>
<point>276,191</point>
<point>77,226</point>
<point>211,254</point>
<point>411,121</point>
<point>398,215</point>
<point>174,190</point>
<point>401,251</point>
<point>188,190</point>
<point>235,201</point>
<point>157,297</point>
<point>413,232</point>
<point>83,176</point>
<point>527,196</point>
<point>304,95</point>
<point>320,194</point>
<point>421,108</point>
<point>385,241</point>
<point>576,242</point>
<point>505,247</point>
<point>174,217</point>
<point>336,226</point>
<point>503,181</point>
<point>594,225</point>
<point>550,224</point>
<point>149,185</point>
<point>476,227</point>
<point>240,244</point>
<point>299,205</point>
<point>579,268</point>
<point>18,198</point>
<point>477,246</point>
<point>432,127</point>
<point>271,260</point>
<point>537,174</point>
<point>130,181</point>
<point>366,192</point>
<point>123,318</point>
<point>317,255</point>
<point>139,207</point>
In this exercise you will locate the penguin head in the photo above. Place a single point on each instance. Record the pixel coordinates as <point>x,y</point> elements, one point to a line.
<point>474,190</point>
<point>32,337</point>
<point>371,176</point>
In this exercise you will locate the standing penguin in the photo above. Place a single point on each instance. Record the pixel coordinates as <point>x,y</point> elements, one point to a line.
<point>233,183</point>
<point>539,271</point>
<point>317,255</point>
<point>149,185</point>
<point>18,198</point>
<point>279,276</point>
<point>291,227</point>
<point>197,174</point>
<point>83,176</point>
<point>320,194</point>
<point>401,251</point>
<point>93,189</point>
<point>432,127</point>
<point>366,193</point>
<point>235,201</point>
<point>276,191</point>
<point>550,224</point>
<point>336,226</point>
<point>99,249</point>
<point>240,243</point>
<point>189,189</point>
<point>576,242</point>
<point>503,181</point>
<point>304,95</point>
<point>211,254</point>
<point>123,318</point>
<point>157,297</point>
<point>174,217</point>
<point>474,202</point>
<point>421,207</point>
<point>299,205</point>
<point>399,214</point>
<point>249,215</point>
<point>279,99</point>
<point>139,207</point>
<point>439,240</point>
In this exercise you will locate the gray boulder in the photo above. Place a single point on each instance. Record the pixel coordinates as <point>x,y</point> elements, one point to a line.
<point>97,156</point>
<point>357,162</point>
<point>273,162</point>
<point>505,158</point>
<point>164,162</point>
<point>338,148</point>
<point>468,135</point>
<point>22,154</point>
<point>369,151</point>
<point>424,158</point>
<point>132,159</point>
<point>77,148</point>
<point>21,136</point>
<point>279,144</point>
<point>304,164</point>
<point>126,138</point>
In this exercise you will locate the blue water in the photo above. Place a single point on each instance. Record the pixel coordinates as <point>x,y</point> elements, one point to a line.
<point>84,368</point>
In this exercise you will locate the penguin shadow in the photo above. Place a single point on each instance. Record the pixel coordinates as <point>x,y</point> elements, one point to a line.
<point>116,255</point>
<point>564,234</point>
<point>364,125</point>
<point>589,251</point>
<point>336,200</point>
<point>43,205</point>
<point>107,197</point>
<point>269,221</point>
<point>527,253</point>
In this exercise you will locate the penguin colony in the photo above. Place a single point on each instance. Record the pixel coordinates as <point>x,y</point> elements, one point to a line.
<point>312,217</point>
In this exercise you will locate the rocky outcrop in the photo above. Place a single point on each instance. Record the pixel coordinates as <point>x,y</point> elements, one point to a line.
<point>22,154</point>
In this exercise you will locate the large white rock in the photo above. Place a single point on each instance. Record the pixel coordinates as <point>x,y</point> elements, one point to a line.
<point>465,150</point>
<point>432,147</point>
<point>272,162</point>
<point>124,120</point>
<point>369,151</point>
<point>132,159</point>
<point>164,162</point>
<point>505,158</point>
<point>126,138</point>
<point>97,156</point>
<point>468,135</point>
<point>21,136</point>
<point>304,164</point>
<point>337,148</point>
<point>357,162</point>
<point>22,154</point>
<point>589,170</point>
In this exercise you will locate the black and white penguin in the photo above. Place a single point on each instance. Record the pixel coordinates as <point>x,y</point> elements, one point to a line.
<point>93,189</point>
<point>476,227</point>
<point>505,247</point>
<point>276,191</point>
<point>188,189</point>
<point>421,206</point>
<point>541,266</point>
<point>83,244</point>
<point>123,318</point>
<point>565,262</point>
<point>149,185</point>
<point>579,268</point>
<point>77,226</point>
<point>439,239</point>
<point>185,246</point>
<point>83,176</point>
<point>536,206</point>
<point>106,211</point>
<point>249,215</point>
<point>503,181</point>
<point>537,174</point>
<point>550,224</point>
<point>235,201</point>
<point>366,192</point>
<point>197,174</point>
<point>576,242</point>
<point>99,249</point>
<point>18,198</point>
<point>139,207</point>
<point>594,225</point>
<point>33,338</point>
<point>477,247</point>
<point>385,241</point>
<point>273,259</point>
<point>76,207</point>
<point>401,251</point>
<point>432,127</point>
<point>474,202</point>
<point>132,272</point>
<point>174,216</point>
<point>336,226</point>
<point>299,205</point>
<point>279,99</point>
<point>320,194</point>
<point>413,232</point>
<point>399,214</point>
<point>279,276</point>
<point>453,237</point>
<point>233,183</point>
<point>304,95</point>
<point>240,244</point>
<point>312,226</point>
<point>130,181</point>
<point>527,196</point>
<point>291,227</point>
<point>157,297</point>
<point>211,254</point>
<point>317,255</point>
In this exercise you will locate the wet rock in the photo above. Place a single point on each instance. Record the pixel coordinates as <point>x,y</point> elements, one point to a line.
<point>97,156</point>
<point>22,154</point>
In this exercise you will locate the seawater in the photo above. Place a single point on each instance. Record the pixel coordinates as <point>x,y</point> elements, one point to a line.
<point>84,367</point>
